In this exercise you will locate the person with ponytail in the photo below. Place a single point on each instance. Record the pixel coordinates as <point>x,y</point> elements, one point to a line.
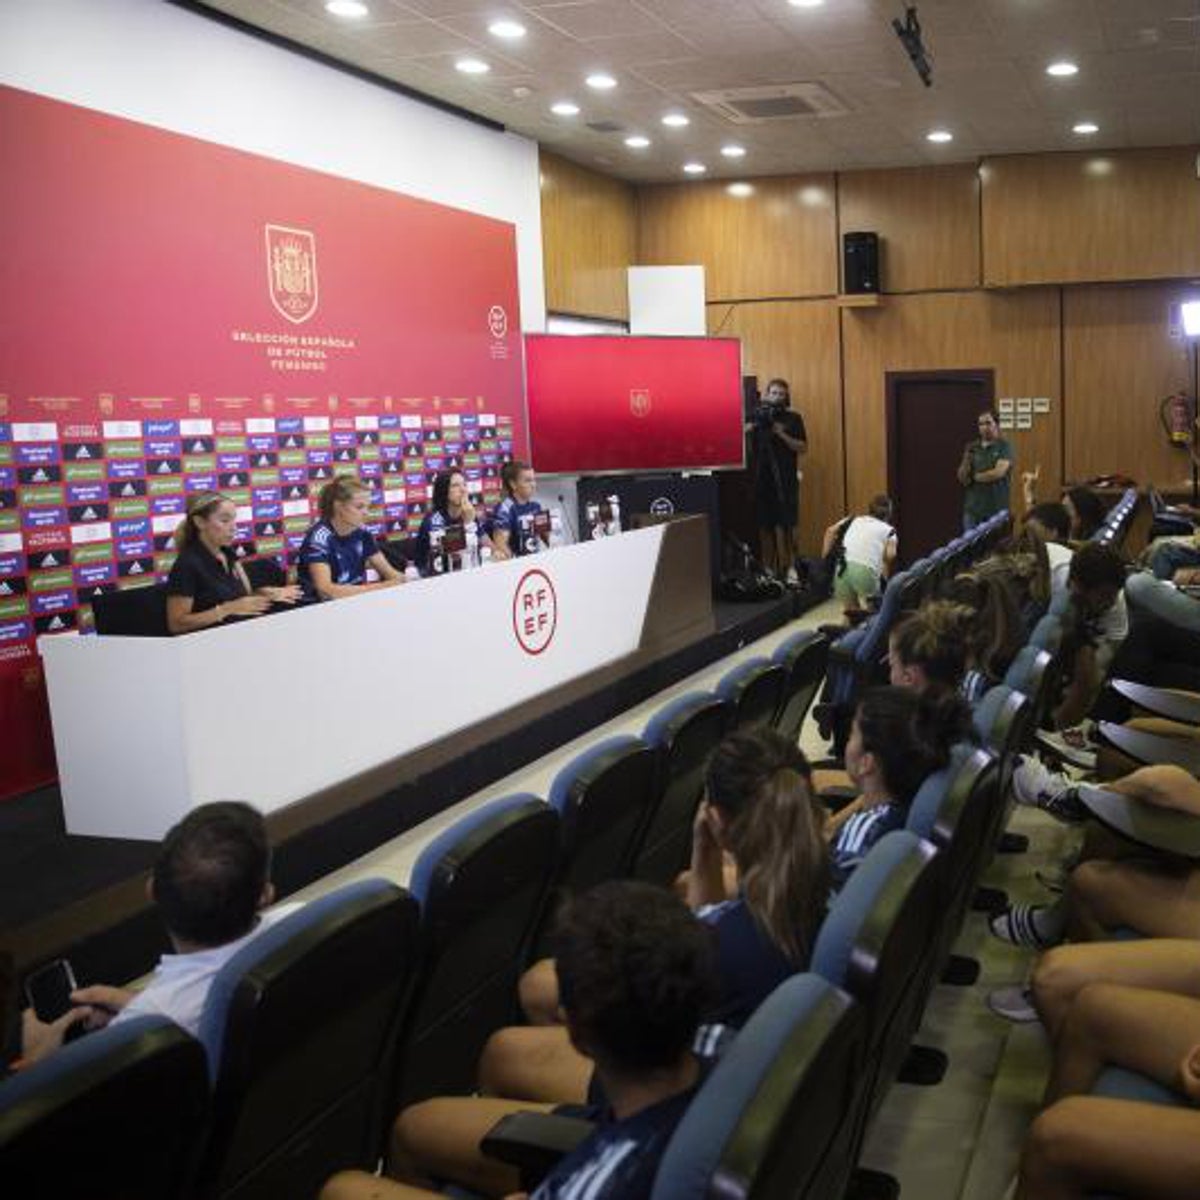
<point>930,647</point>
<point>333,559</point>
<point>899,738</point>
<point>996,630</point>
<point>207,584</point>
<point>511,526</point>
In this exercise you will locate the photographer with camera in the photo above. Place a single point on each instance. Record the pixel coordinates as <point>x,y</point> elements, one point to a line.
<point>776,441</point>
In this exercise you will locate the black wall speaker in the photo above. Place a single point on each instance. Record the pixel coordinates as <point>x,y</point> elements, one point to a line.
<point>860,262</point>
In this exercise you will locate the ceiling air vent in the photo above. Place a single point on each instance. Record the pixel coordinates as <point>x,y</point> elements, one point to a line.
<point>754,105</point>
<point>605,127</point>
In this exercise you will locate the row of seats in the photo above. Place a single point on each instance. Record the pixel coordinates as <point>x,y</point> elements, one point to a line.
<point>375,997</point>
<point>858,658</point>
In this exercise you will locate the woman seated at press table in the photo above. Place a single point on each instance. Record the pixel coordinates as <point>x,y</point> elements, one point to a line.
<point>207,583</point>
<point>333,558</point>
<point>451,507</point>
<point>512,523</point>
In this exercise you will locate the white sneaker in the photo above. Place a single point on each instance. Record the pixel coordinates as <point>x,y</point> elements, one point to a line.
<point>1014,1004</point>
<point>1069,744</point>
<point>792,578</point>
<point>1034,783</point>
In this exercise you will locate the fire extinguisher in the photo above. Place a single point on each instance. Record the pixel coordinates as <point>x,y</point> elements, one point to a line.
<point>1178,419</point>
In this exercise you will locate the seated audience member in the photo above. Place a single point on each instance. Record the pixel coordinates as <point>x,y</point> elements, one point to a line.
<point>1164,637</point>
<point>863,551</point>
<point>333,559</point>
<point>1081,1145</point>
<point>450,507</point>
<point>1176,559</point>
<point>1053,523</point>
<point>929,648</point>
<point>899,738</point>
<point>996,630</point>
<point>512,529</point>
<point>636,975</point>
<point>1085,510</point>
<point>207,584</point>
<point>210,883</point>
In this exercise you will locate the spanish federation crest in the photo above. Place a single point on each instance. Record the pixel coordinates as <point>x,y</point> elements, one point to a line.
<point>639,401</point>
<point>292,272</point>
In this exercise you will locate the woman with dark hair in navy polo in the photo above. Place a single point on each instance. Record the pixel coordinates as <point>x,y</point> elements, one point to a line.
<point>450,507</point>
<point>333,558</point>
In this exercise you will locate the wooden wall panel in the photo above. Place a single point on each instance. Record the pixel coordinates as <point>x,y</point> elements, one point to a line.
<point>780,241</point>
<point>1091,217</point>
<point>589,237</point>
<point>927,219</point>
<point>798,340</point>
<point>1015,334</point>
<point>1120,364</point>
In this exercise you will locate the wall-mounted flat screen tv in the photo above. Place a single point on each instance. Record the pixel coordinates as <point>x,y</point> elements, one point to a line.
<point>604,404</point>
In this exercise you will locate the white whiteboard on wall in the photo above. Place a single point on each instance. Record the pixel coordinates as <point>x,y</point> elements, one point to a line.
<point>667,301</point>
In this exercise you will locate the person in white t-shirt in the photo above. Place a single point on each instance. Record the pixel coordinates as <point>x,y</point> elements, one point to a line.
<point>210,883</point>
<point>1053,523</point>
<point>862,551</point>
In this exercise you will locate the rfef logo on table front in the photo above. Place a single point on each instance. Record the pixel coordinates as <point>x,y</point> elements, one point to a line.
<point>292,272</point>
<point>535,611</point>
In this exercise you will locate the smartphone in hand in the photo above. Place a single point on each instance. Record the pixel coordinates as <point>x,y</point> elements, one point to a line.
<point>49,989</point>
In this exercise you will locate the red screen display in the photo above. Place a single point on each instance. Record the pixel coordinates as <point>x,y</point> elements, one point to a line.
<point>601,404</point>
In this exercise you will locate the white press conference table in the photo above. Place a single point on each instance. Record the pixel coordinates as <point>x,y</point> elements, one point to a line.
<point>274,709</point>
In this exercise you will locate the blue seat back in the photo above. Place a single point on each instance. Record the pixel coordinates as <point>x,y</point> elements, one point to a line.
<point>754,691</point>
<point>793,1068</point>
<point>118,1115</point>
<point>684,733</point>
<point>803,657</point>
<point>300,1026</point>
<point>482,885</point>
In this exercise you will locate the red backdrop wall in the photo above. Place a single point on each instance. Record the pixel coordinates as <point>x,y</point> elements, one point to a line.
<point>178,316</point>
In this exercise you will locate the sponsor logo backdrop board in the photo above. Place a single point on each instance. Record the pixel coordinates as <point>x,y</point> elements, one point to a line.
<point>178,316</point>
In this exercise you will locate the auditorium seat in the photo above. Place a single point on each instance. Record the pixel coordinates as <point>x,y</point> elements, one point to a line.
<point>1033,673</point>
<point>776,1117</point>
<point>118,1115</point>
<point>1151,748</point>
<point>684,733</point>
<point>132,612</point>
<point>300,1027</point>
<point>879,944</point>
<point>754,691</point>
<point>1047,634</point>
<point>1160,702</point>
<point>482,885</point>
<point>1002,720</point>
<point>603,798</point>
<point>803,656</point>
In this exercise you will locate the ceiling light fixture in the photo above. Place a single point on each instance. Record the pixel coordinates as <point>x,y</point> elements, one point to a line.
<point>352,9</point>
<point>806,3</point>
<point>564,108</point>
<point>510,31</point>
<point>740,190</point>
<point>694,168</point>
<point>1085,127</point>
<point>637,142</point>
<point>472,66</point>
<point>939,136</point>
<point>601,82</point>
<point>675,120</point>
<point>1062,69</point>
<point>733,150</point>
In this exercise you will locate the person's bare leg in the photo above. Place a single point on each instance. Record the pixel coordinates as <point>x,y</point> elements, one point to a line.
<point>1104,896</point>
<point>766,543</point>
<point>439,1140</point>
<point>535,1063</point>
<point>1163,785</point>
<point>1081,692</point>
<point>1089,1143</point>
<point>1160,964</point>
<point>1111,1025</point>
<point>358,1185</point>
<point>537,991</point>
<point>783,548</point>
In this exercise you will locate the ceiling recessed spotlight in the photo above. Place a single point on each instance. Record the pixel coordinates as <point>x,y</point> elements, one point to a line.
<point>1062,69</point>
<point>740,189</point>
<point>694,168</point>
<point>806,3</point>
<point>346,8</point>
<point>733,150</point>
<point>637,142</point>
<point>472,66</point>
<point>675,120</point>
<point>601,82</point>
<point>1085,127</point>
<point>510,31</point>
<point>564,108</point>
<point>939,136</point>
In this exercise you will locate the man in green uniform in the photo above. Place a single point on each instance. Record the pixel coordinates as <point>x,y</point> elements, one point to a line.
<point>984,472</point>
